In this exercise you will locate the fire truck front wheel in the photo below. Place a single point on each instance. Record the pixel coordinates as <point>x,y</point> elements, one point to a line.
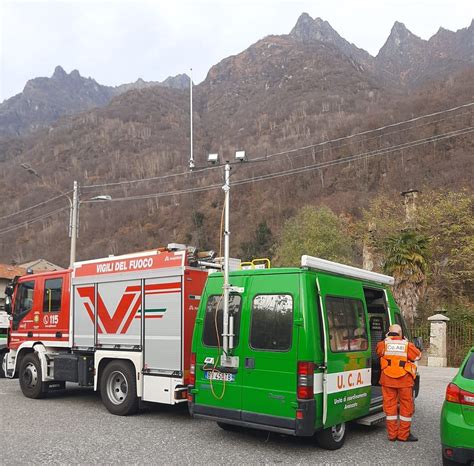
<point>2,364</point>
<point>30,377</point>
<point>118,388</point>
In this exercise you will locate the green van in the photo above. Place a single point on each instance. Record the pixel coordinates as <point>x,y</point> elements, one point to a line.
<point>302,349</point>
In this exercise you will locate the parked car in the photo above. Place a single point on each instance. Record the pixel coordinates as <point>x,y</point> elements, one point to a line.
<point>457,416</point>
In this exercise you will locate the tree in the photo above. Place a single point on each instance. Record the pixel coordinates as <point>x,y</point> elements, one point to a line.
<point>316,232</point>
<point>406,260</point>
<point>261,244</point>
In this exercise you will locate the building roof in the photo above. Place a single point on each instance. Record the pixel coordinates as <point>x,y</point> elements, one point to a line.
<point>40,264</point>
<point>11,271</point>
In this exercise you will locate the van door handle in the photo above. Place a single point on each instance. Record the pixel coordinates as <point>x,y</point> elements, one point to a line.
<point>249,363</point>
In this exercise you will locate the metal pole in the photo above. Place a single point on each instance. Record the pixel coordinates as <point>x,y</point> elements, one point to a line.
<point>225,317</point>
<point>74,207</point>
<point>191,156</point>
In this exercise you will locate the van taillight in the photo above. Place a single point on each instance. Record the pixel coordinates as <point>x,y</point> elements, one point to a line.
<point>192,370</point>
<point>455,395</point>
<point>305,380</point>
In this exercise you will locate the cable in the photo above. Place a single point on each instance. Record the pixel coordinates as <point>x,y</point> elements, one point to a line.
<point>285,152</point>
<point>350,158</point>
<point>34,206</point>
<point>153,178</point>
<point>33,220</point>
<point>306,168</point>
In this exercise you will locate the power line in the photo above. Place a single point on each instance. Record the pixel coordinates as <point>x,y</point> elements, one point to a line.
<point>306,168</point>
<point>34,206</point>
<point>370,131</point>
<point>267,176</point>
<point>352,158</point>
<point>285,152</point>
<point>33,220</point>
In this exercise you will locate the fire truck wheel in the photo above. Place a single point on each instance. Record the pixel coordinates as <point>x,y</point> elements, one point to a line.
<point>118,388</point>
<point>332,438</point>
<point>30,377</point>
<point>2,364</point>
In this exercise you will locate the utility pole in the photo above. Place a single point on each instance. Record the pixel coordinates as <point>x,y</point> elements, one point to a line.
<point>227,320</point>
<point>225,317</point>
<point>73,230</point>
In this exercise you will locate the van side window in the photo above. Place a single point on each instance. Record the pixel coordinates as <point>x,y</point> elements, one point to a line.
<point>347,326</point>
<point>23,302</point>
<point>272,322</point>
<point>52,295</point>
<point>215,304</point>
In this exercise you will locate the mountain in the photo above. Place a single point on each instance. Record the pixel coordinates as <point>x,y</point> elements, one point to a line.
<point>410,60</point>
<point>44,100</point>
<point>279,100</point>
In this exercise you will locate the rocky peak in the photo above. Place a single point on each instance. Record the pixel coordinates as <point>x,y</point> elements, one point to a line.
<point>310,30</point>
<point>180,81</point>
<point>75,74</point>
<point>401,38</point>
<point>59,73</point>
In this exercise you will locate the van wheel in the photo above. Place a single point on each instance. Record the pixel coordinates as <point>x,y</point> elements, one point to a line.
<point>118,388</point>
<point>228,427</point>
<point>30,377</point>
<point>332,438</point>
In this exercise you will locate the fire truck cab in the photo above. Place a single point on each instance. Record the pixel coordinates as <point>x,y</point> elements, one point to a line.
<point>120,324</point>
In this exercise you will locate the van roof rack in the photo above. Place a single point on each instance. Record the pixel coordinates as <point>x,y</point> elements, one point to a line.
<point>346,270</point>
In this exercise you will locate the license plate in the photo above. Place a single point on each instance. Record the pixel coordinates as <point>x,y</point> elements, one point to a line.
<point>214,375</point>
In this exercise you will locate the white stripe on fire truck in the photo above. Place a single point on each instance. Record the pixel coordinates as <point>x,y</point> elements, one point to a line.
<point>34,334</point>
<point>169,338</point>
<point>170,290</point>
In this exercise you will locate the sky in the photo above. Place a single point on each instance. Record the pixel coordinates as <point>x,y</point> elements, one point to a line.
<point>118,41</point>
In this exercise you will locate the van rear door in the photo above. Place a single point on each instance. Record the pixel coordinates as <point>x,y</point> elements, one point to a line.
<point>347,378</point>
<point>269,342</point>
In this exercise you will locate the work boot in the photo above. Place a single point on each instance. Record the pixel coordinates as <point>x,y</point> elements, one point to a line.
<point>411,438</point>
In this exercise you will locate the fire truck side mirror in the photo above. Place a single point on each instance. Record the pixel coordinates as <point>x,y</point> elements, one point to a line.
<point>8,305</point>
<point>9,290</point>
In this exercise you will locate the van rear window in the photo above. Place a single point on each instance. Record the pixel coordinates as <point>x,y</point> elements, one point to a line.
<point>272,322</point>
<point>214,310</point>
<point>347,324</point>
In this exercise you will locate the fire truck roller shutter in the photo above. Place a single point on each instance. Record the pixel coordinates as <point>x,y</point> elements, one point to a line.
<point>83,315</point>
<point>163,314</point>
<point>119,314</point>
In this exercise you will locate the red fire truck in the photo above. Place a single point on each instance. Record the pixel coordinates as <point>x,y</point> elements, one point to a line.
<point>120,324</point>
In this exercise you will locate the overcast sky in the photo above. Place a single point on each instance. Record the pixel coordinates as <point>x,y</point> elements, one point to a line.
<point>118,41</point>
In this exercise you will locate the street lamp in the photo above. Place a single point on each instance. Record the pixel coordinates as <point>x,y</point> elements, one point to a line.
<point>73,208</point>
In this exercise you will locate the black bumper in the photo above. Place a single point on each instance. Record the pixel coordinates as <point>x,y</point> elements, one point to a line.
<point>460,455</point>
<point>303,427</point>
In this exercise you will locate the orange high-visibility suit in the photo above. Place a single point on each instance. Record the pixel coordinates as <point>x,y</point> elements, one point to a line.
<point>397,358</point>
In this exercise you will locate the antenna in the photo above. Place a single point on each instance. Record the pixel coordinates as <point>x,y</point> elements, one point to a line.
<point>191,154</point>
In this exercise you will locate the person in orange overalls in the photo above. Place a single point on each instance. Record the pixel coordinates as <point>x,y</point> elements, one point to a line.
<point>398,372</point>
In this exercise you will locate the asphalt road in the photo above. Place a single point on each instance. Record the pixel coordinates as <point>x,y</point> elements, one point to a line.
<point>74,427</point>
